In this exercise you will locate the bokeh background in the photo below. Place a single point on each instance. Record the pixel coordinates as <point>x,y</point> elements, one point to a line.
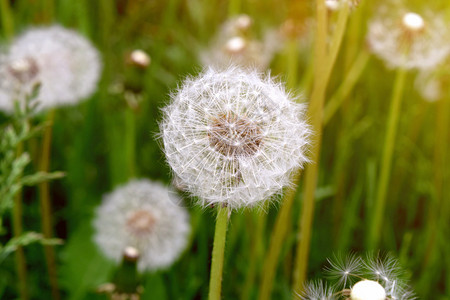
<point>111,137</point>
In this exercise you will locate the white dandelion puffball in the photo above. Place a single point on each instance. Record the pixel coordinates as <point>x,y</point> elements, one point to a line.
<point>234,138</point>
<point>66,65</point>
<point>140,214</point>
<point>371,278</point>
<point>409,40</point>
<point>234,43</point>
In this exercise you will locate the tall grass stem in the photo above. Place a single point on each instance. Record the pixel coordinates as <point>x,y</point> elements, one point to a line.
<point>7,19</point>
<point>21,266</point>
<point>386,161</point>
<point>46,210</point>
<point>315,114</point>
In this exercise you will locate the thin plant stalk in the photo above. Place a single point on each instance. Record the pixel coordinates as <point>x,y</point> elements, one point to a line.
<point>346,86</point>
<point>234,7</point>
<point>49,10</point>
<point>130,141</point>
<point>315,114</point>
<point>276,242</point>
<point>18,230</point>
<point>7,19</point>
<point>256,251</point>
<point>215,282</point>
<point>440,161</point>
<point>292,62</point>
<point>386,161</point>
<point>45,202</point>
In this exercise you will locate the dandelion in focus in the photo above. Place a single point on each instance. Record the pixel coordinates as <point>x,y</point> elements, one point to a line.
<point>141,214</point>
<point>407,39</point>
<point>356,278</point>
<point>64,63</point>
<point>234,138</point>
<point>235,43</point>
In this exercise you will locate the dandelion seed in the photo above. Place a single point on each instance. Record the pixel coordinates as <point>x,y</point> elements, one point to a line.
<point>65,64</point>
<point>407,39</point>
<point>141,215</point>
<point>234,138</point>
<point>317,290</point>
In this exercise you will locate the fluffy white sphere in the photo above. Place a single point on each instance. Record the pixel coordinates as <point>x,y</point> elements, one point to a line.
<point>409,40</point>
<point>234,138</point>
<point>144,215</point>
<point>66,65</point>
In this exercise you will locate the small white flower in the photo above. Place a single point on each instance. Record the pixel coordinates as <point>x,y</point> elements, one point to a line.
<point>409,40</point>
<point>140,214</point>
<point>234,138</point>
<point>65,64</point>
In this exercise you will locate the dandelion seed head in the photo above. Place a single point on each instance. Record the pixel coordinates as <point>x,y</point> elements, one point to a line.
<point>317,290</point>
<point>413,22</point>
<point>65,64</point>
<point>141,215</point>
<point>235,43</point>
<point>140,58</point>
<point>368,290</point>
<point>407,39</point>
<point>233,137</point>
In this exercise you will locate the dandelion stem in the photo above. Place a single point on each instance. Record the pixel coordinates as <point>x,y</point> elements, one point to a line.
<point>18,230</point>
<point>386,162</point>
<point>315,113</point>
<point>292,63</point>
<point>234,7</point>
<point>44,195</point>
<point>7,19</point>
<point>276,242</point>
<point>346,87</point>
<point>130,141</point>
<point>215,283</point>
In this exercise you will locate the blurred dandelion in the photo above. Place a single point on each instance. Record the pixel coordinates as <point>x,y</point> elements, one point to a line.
<point>141,214</point>
<point>407,39</point>
<point>235,43</point>
<point>234,138</point>
<point>66,65</point>
<point>371,278</point>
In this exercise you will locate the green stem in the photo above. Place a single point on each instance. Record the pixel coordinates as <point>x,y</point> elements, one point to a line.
<point>315,114</point>
<point>44,195</point>
<point>215,282</point>
<point>18,230</point>
<point>276,242</point>
<point>49,10</point>
<point>346,87</point>
<point>234,7</point>
<point>440,163</point>
<point>292,63</point>
<point>130,141</point>
<point>7,19</point>
<point>256,251</point>
<point>386,162</point>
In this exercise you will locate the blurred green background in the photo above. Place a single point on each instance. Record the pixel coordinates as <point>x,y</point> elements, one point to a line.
<point>104,142</point>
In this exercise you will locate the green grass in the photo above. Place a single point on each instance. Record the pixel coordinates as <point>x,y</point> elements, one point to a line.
<point>103,142</point>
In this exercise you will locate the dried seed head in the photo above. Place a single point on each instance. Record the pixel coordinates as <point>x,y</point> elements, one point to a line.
<point>235,45</point>
<point>235,42</point>
<point>24,70</point>
<point>409,40</point>
<point>367,290</point>
<point>140,222</point>
<point>141,215</point>
<point>140,58</point>
<point>65,64</point>
<point>413,22</point>
<point>233,138</point>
